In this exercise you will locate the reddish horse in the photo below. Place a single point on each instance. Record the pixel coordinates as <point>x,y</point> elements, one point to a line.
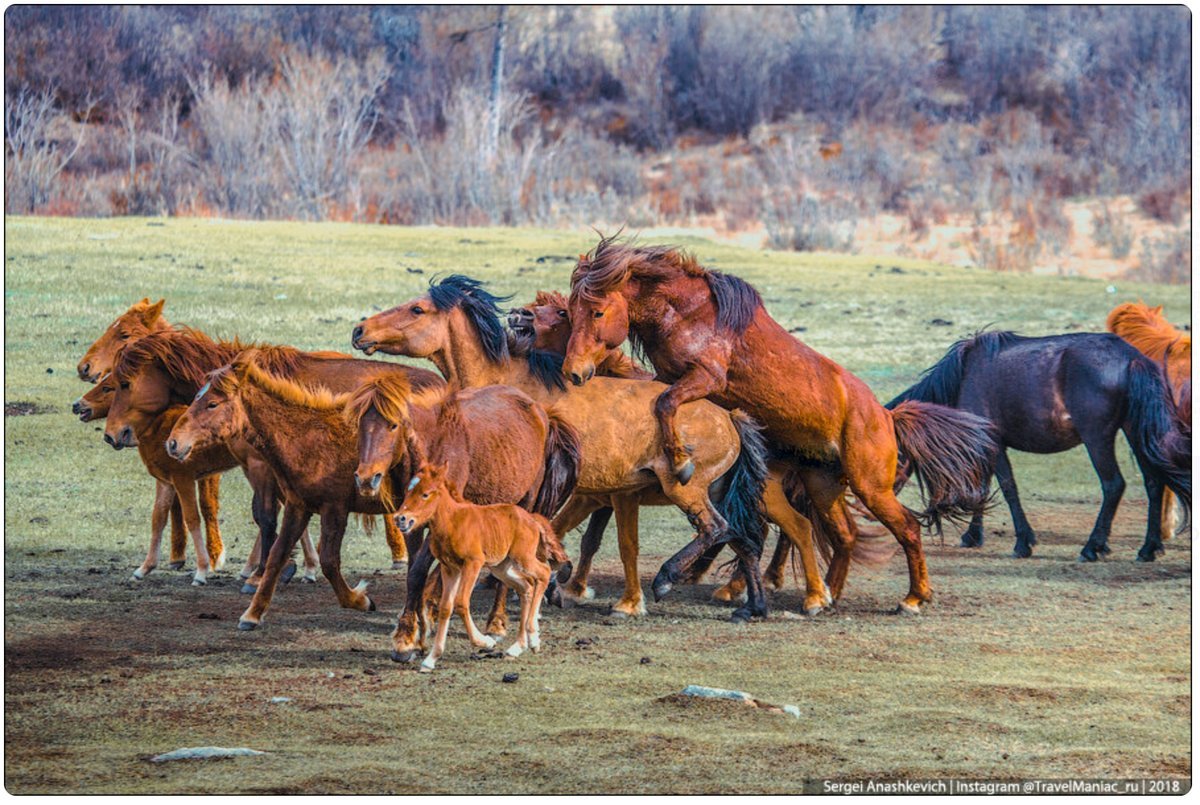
<point>708,334</point>
<point>516,546</point>
<point>1149,331</point>
<point>140,320</point>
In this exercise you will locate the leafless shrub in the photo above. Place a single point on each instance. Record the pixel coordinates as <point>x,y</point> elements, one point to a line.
<point>1167,258</point>
<point>38,146</point>
<point>1113,232</point>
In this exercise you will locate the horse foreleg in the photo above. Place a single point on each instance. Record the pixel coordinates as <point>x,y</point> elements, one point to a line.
<point>571,515</point>
<point>407,637</point>
<point>462,603</point>
<point>333,529</point>
<point>179,537</point>
<point>295,520</point>
<point>450,583</point>
<point>185,488</point>
<point>164,501</point>
<point>697,383</point>
<point>210,507</point>
<point>1026,539</point>
<point>395,542</point>
<point>631,604</point>
<point>826,491</point>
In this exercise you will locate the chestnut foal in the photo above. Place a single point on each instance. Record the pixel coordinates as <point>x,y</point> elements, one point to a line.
<point>517,547</point>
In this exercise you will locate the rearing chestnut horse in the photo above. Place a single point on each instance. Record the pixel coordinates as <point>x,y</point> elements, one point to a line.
<point>708,334</point>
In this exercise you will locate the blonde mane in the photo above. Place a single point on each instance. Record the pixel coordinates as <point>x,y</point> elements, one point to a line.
<point>1147,329</point>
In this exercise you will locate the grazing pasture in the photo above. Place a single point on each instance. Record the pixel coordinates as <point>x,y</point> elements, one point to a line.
<point>1033,668</point>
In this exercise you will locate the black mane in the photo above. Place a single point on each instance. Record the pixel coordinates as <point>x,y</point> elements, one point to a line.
<point>736,301</point>
<point>547,368</point>
<point>480,306</point>
<point>941,382</point>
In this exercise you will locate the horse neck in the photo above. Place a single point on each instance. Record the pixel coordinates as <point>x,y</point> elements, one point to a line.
<point>447,516</point>
<point>274,425</point>
<point>463,362</point>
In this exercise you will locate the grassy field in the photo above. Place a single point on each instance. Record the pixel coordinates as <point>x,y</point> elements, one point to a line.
<point>1026,668</point>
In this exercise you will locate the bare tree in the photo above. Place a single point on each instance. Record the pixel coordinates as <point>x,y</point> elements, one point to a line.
<point>38,148</point>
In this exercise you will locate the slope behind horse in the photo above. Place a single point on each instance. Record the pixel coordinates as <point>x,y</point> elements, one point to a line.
<point>519,548</point>
<point>708,334</point>
<point>1050,394</point>
<point>456,325</point>
<point>1149,331</point>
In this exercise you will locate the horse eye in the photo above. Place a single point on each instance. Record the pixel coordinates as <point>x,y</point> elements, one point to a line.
<point>213,404</point>
<point>125,385</point>
<point>393,426</point>
<point>425,496</point>
<point>107,389</point>
<point>417,310</point>
<point>598,314</point>
<point>562,314</point>
<point>125,337</point>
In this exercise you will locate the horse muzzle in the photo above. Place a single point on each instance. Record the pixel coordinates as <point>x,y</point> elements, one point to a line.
<point>85,373</point>
<point>404,523</point>
<point>358,342</point>
<point>123,439</point>
<point>368,487</point>
<point>82,410</point>
<point>177,451</point>
<point>581,377</point>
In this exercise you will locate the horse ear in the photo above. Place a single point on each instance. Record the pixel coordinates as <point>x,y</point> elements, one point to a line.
<point>153,311</point>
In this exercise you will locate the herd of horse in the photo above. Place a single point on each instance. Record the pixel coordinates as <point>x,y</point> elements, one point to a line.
<point>537,420</point>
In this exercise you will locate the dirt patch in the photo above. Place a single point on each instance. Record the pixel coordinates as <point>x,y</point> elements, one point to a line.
<point>21,408</point>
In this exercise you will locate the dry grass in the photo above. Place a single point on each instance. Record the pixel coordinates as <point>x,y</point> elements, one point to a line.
<point>1034,668</point>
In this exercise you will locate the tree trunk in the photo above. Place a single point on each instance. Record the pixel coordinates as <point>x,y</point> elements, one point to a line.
<point>497,83</point>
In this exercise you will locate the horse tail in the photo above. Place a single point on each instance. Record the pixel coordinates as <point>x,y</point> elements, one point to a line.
<point>550,549</point>
<point>1153,428</point>
<point>562,457</point>
<point>952,453</point>
<point>741,505</point>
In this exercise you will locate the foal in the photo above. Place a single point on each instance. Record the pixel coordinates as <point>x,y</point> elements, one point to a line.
<point>516,546</point>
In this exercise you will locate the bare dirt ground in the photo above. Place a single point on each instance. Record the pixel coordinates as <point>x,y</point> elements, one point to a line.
<point>1042,667</point>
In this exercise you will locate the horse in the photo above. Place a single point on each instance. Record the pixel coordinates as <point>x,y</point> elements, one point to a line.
<point>545,325</point>
<point>1052,393</point>
<point>456,325</point>
<point>489,438</point>
<point>1149,331</point>
<point>141,319</point>
<point>303,434</point>
<point>708,334</point>
<point>516,546</point>
<point>170,367</point>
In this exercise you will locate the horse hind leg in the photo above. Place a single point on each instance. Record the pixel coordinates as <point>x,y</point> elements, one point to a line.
<point>632,604</point>
<point>1155,522</point>
<point>1026,539</point>
<point>395,542</point>
<point>179,536</point>
<point>1102,451</point>
<point>210,506</point>
<point>799,532</point>
<point>1170,517</point>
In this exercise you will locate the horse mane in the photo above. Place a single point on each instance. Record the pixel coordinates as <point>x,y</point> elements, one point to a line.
<point>546,366</point>
<point>551,299</point>
<point>248,367</point>
<point>390,395</point>
<point>188,355</point>
<point>941,382</point>
<point>612,264</point>
<point>479,306</point>
<point>1147,329</point>
<point>133,322</point>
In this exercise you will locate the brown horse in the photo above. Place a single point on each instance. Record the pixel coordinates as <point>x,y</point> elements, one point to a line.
<point>303,434</point>
<point>709,335</point>
<point>1149,331</point>
<point>141,319</point>
<point>489,438</point>
<point>456,325</point>
<point>546,325</point>
<point>516,546</point>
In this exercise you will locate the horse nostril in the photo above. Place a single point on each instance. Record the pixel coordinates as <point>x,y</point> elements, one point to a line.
<point>172,446</point>
<point>357,334</point>
<point>376,480</point>
<point>110,440</point>
<point>87,369</point>
<point>576,379</point>
<point>77,407</point>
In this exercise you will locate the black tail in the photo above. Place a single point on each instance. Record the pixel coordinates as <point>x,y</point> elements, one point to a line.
<point>1151,425</point>
<point>562,467</point>
<point>741,505</point>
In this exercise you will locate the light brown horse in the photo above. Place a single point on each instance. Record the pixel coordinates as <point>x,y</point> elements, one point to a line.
<point>456,325</point>
<point>517,547</point>
<point>489,438</point>
<point>708,334</point>
<point>141,319</point>
<point>1149,331</point>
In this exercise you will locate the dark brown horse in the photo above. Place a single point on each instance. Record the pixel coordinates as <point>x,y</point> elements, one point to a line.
<point>708,334</point>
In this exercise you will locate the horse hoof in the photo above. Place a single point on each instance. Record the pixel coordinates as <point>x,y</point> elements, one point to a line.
<point>370,605</point>
<point>425,669</point>
<point>199,582</point>
<point>515,650</point>
<point>740,616</point>
<point>404,656</point>
<point>1088,556</point>
<point>289,570</point>
<point>813,611</point>
<point>906,608</point>
<point>308,578</point>
<point>246,626</point>
<point>138,575</point>
<point>249,589</point>
<point>1145,557</point>
<point>968,542</point>
<point>176,565</point>
<point>1022,552</point>
<point>564,572</point>
<point>684,473</point>
<point>661,588</point>
<point>399,564</point>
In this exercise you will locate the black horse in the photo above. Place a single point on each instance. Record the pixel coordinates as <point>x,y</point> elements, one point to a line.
<point>1049,394</point>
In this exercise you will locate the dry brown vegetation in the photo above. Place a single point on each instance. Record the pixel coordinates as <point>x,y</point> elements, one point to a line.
<point>843,128</point>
